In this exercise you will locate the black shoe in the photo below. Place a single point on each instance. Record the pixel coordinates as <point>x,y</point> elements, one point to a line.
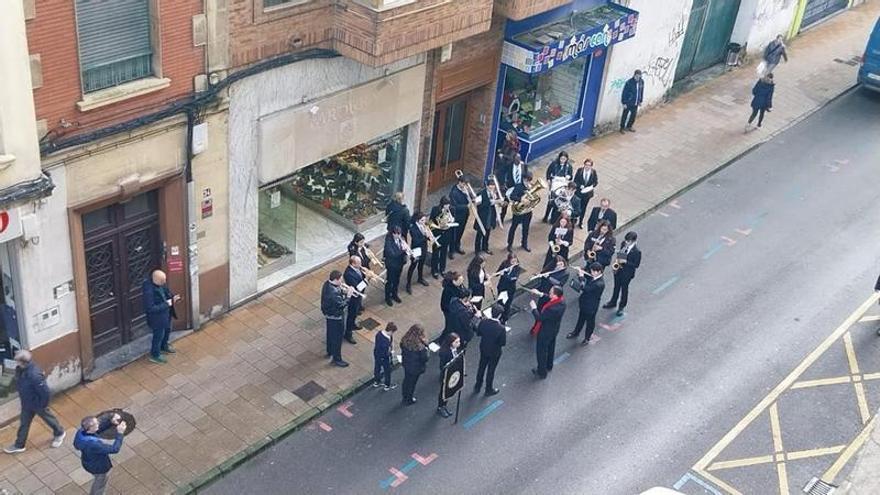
<point>535,372</point>
<point>585,342</point>
<point>571,335</point>
<point>477,387</point>
<point>443,412</point>
<point>388,302</point>
<point>340,363</point>
<point>435,275</point>
<point>409,289</point>
<point>609,305</point>
<point>459,251</point>
<point>360,311</point>
<point>492,391</point>
<point>549,369</point>
<point>489,252</point>
<point>451,256</point>
<point>621,130</point>
<point>396,299</point>
<point>526,249</point>
<point>580,226</point>
<point>630,129</point>
<point>619,312</point>
<point>509,248</point>
<point>358,327</point>
<point>351,340</point>
<point>424,282</point>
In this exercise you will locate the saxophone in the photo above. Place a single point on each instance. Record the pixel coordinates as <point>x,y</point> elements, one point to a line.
<point>530,198</point>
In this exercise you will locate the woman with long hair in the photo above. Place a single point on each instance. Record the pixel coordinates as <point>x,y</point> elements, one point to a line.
<point>601,243</point>
<point>509,272</point>
<point>358,247</point>
<point>561,235</point>
<point>414,352</point>
<point>477,278</point>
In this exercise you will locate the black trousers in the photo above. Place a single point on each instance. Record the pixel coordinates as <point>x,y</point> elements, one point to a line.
<point>409,385</point>
<point>525,221</point>
<point>487,369</point>
<point>438,259</point>
<point>588,319</point>
<point>545,352</point>
<point>628,118</point>
<point>621,290</point>
<point>550,212</point>
<point>440,401</point>
<point>25,419</point>
<point>503,211</point>
<point>507,304</point>
<point>382,369</point>
<point>585,199</point>
<point>354,307</point>
<point>481,242</point>
<point>760,113</point>
<point>392,283</point>
<point>419,265</point>
<point>457,233</point>
<point>335,330</point>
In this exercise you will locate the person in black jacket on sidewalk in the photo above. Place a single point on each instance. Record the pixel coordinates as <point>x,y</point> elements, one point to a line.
<point>762,99</point>
<point>419,240</point>
<point>353,277</point>
<point>396,252</point>
<point>631,97</point>
<point>588,302</point>
<point>333,303</point>
<point>586,180</point>
<point>33,393</point>
<point>459,201</point>
<point>630,258</point>
<point>95,452</point>
<point>382,357</point>
<point>547,320</point>
<point>449,350</point>
<point>397,214</point>
<point>414,352</point>
<point>493,337</point>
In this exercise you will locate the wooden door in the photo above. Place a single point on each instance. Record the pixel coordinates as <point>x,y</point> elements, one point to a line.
<point>448,143</point>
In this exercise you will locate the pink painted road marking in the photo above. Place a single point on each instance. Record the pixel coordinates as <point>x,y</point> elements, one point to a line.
<point>343,409</point>
<point>424,461</point>
<point>663,214</point>
<point>728,240</point>
<point>612,327</point>
<point>743,231</point>
<point>674,204</point>
<point>324,426</point>
<point>400,477</point>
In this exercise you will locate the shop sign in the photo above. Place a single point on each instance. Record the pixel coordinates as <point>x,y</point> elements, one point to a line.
<point>10,224</point>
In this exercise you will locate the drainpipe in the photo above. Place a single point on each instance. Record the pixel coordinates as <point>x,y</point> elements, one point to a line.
<point>192,208</point>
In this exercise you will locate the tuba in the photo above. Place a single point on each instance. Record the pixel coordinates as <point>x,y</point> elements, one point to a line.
<point>443,220</point>
<point>530,199</point>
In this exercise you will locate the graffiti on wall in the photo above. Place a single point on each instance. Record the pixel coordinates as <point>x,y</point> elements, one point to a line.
<point>766,9</point>
<point>660,70</point>
<point>677,31</point>
<point>616,85</point>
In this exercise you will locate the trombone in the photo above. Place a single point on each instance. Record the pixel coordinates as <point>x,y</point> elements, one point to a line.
<point>371,275</point>
<point>472,204</point>
<point>498,199</point>
<point>374,260</point>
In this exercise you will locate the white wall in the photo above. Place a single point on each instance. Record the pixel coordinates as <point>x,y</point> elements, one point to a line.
<point>654,50</point>
<point>263,94</point>
<point>759,21</point>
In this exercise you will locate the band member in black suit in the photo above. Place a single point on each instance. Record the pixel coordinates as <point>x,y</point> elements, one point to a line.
<point>354,277</point>
<point>453,288</point>
<point>358,247</point>
<point>515,194</point>
<point>477,279</point>
<point>508,272</point>
<point>592,286</point>
<point>548,317</point>
<point>629,257</point>
<point>516,175</point>
<point>450,349</point>
<point>396,252</point>
<point>487,213</point>
<point>561,236</point>
<point>554,274</point>
<point>586,180</point>
<point>419,235</point>
<point>600,243</point>
<point>602,212</point>
<point>333,297</point>
<point>414,353</point>
<point>568,204</point>
<point>440,216</point>
<point>459,200</point>
<point>462,317</point>
<point>493,337</point>
<point>877,289</point>
<point>560,168</point>
<point>397,214</point>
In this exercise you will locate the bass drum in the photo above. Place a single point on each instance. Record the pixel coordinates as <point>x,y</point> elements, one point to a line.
<point>556,184</point>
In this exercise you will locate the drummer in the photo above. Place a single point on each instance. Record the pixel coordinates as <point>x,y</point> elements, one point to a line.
<point>559,174</point>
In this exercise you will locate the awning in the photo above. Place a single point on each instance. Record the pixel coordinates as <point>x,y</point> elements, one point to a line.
<point>562,41</point>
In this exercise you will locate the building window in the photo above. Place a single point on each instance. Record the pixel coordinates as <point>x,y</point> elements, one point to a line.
<point>114,42</point>
<point>315,211</point>
<point>537,103</point>
<point>275,3</point>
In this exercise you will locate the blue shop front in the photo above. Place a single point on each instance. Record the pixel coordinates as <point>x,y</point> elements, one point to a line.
<point>551,74</point>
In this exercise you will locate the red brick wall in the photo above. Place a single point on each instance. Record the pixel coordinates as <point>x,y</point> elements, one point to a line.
<point>52,34</point>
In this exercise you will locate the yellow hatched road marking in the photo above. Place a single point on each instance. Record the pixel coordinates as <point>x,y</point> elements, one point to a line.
<point>775,430</point>
<point>851,354</point>
<point>850,450</point>
<point>748,461</point>
<point>806,454</point>
<point>823,381</point>
<point>871,376</point>
<point>863,402</point>
<point>870,318</point>
<point>767,459</point>
<point>782,474</point>
<point>720,484</point>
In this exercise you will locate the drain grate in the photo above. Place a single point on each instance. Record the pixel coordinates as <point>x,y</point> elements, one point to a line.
<point>309,391</point>
<point>819,487</point>
<point>369,323</point>
<point>852,62</point>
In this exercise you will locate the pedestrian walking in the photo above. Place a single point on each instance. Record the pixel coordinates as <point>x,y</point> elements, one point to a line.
<point>773,53</point>
<point>547,320</point>
<point>508,276</point>
<point>353,277</point>
<point>159,310</point>
<point>396,251</point>
<point>493,337</point>
<point>33,393</point>
<point>334,294</point>
<point>382,357</point>
<point>592,286</point>
<point>629,258</point>
<point>762,99</point>
<point>414,353</point>
<point>586,180</point>
<point>450,350</point>
<point>631,97</point>
<point>95,451</point>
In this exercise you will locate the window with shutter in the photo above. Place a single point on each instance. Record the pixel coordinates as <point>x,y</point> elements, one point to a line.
<point>114,42</point>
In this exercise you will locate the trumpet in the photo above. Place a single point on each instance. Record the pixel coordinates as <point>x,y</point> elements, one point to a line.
<point>374,260</point>
<point>371,275</point>
<point>351,290</point>
<point>618,264</point>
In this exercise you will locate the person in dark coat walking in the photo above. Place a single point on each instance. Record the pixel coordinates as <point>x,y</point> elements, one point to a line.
<point>449,350</point>
<point>396,252</point>
<point>382,357</point>
<point>159,310</point>
<point>95,452</point>
<point>397,214</point>
<point>773,53</point>
<point>762,99</point>
<point>353,277</point>
<point>493,337</point>
<point>333,303</point>
<point>33,393</point>
<point>414,353</point>
<point>630,258</point>
<point>631,97</point>
<point>602,212</point>
<point>547,320</point>
<point>588,302</point>
<point>586,180</point>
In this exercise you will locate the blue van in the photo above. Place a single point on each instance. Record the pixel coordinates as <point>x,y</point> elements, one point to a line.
<point>869,72</point>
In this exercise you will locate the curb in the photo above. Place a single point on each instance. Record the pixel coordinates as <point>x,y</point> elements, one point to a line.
<point>239,458</point>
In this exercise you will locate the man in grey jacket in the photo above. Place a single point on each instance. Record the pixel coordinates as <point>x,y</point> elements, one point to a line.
<point>774,51</point>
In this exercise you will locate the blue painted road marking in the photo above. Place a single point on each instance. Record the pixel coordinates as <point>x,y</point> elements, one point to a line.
<point>717,247</point>
<point>666,285</point>
<point>476,418</point>
<point>560,358</point>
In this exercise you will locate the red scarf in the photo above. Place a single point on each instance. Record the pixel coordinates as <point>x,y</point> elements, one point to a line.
<point>536,328</point>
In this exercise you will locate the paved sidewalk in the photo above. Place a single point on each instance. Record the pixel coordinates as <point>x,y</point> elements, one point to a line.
<point>259,372</point>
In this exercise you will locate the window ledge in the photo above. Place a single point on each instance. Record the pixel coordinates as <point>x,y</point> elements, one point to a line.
<point>122,92</point>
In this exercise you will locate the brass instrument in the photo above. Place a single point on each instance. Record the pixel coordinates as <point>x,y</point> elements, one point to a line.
<point>374,260</point>
<point>591,255</point>
<point>530,198</point>
<point>350,290</point>
<point>498,199</point>
<point>371,275</point>
<point>472,201</point>
<point>554,247</point>
<point>442,222</point>
<point>563,201</point>
<point>618,264</point>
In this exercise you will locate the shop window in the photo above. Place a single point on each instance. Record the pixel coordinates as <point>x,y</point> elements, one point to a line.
<point>536,103</point>
<point>312,214</point>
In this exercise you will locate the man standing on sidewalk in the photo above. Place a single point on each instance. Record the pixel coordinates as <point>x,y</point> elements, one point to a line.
<point>333,307</point>
<point>34,396</point>
<point>633,93</point>
<point>159,309</point>
<point>95,452</point>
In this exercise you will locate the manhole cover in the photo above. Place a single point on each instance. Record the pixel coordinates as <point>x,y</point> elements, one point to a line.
<point>370,324</point>
<point>309,391</point>
<point>819,487</point>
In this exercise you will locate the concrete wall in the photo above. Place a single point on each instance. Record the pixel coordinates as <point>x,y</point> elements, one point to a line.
<point>759,21</point>
<point>655,50</point>
<point>261,95</point>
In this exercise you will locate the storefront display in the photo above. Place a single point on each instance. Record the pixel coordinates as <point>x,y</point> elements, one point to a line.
<point>533,103</point>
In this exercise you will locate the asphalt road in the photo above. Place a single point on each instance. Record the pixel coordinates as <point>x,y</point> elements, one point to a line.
<point>713,325</point>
